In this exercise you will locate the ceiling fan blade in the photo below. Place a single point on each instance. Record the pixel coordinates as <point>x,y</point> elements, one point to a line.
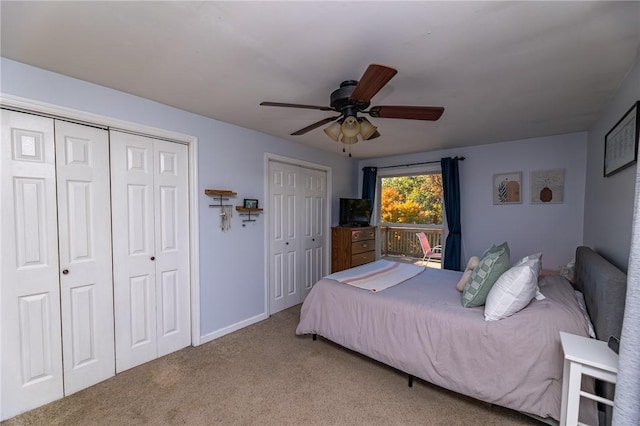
<point>407,112</point>
<point>285,105</point>
<point>314,126</point>
<point>373,79</point>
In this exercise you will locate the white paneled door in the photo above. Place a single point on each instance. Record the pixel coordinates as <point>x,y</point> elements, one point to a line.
<point>297,235</point>
<point>95,256</point>
<point>57,295</point>
<point>173,326</point>
<point>284,236</point>
<point>313,237</point>
<point>31,357</point>
<point>149,186</point>
<point>84,225</point>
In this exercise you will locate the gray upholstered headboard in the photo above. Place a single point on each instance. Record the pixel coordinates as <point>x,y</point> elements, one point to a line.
<point>604,287</point>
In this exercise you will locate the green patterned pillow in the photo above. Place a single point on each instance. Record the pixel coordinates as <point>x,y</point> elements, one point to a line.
<point>484,276</point>
<point>496,248</point>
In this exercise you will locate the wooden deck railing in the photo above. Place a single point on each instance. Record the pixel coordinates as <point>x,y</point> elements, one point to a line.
<point>402,241</point>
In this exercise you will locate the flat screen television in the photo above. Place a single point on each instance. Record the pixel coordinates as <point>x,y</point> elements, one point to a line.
<point>355,212</point>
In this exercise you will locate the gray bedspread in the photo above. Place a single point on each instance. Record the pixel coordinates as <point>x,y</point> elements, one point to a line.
<point>421,328</point>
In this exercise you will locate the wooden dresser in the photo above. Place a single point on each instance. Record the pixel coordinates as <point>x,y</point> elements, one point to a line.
<point>352,246</point>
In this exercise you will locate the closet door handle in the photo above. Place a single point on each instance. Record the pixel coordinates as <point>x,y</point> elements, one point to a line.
<point>153,258</point>
<point>287,243</point>
<point>65,271</point>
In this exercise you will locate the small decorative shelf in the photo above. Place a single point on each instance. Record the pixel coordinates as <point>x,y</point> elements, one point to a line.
<point>219,196</point>
<point>243,211</point>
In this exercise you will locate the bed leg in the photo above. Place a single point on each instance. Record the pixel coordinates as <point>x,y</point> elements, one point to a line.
<point>410,380</point>
<point>315,336</point>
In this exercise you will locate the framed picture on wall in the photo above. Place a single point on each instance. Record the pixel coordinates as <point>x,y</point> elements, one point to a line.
<point>621,143</point>
<point>547,186</point>
<point>250,203</point>
<point>507,188</point>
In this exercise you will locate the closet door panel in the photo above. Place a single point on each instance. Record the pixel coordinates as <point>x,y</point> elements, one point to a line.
<point>84,217</point>
<point>171,181</point>
<point>31,361</point>
<point>313,240</point>
<point>283,236</point>
<point>132,195</point>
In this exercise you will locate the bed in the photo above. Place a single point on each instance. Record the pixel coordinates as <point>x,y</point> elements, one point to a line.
<point>421,328</point>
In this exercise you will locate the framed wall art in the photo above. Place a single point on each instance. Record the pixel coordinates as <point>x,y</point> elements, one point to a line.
<point>621,143</point>
<point>547,186</point>
<point>507,188</point>
<point>250,203</point>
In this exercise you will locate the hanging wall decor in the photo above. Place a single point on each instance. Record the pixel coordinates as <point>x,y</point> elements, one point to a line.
<point>226,210</point>
<point>547,186</point>
<point>621,143</point>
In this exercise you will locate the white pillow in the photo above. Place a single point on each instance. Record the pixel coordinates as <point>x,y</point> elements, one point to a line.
<point>537,257</point>
<point>512,291</point>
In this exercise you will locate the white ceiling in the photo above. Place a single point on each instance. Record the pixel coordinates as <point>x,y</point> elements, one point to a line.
<point>502,70</point>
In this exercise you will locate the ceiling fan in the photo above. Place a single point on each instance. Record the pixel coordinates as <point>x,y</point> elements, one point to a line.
<point>353,97</point>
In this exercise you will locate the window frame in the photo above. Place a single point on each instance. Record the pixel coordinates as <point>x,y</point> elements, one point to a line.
<point>408,171</point>
<point>414,171</point>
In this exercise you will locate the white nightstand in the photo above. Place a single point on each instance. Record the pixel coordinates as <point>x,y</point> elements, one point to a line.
<point>590,357</point>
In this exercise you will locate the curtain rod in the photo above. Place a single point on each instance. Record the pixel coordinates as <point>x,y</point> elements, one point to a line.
<point>417,164</point>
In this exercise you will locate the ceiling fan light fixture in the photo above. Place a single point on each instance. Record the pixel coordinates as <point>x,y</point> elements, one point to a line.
<point>367,129</point>
<point>350,128</point>
<point>333,131</point>
<point>349,140</point>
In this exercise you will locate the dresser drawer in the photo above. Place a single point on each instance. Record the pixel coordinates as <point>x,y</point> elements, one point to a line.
<point>362,246</point>
<point>361,235</point>
<point>352,246</point>
<point>362,258</point>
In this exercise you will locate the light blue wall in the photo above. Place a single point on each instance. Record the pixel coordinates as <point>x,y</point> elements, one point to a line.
<point>609,201</point>
<point>553,229</point>
<point>232,266</point>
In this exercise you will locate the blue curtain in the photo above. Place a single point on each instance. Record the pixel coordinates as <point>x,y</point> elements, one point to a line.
<point>369,184</point>
<point>451,189</point>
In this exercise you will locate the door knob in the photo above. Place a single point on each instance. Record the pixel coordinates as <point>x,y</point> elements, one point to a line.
<point>287,243</point>
<point>153,258</point>
<point>313,239</point>
<point>65,271</point>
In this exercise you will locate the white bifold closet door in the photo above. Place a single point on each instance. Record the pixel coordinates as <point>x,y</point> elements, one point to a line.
<point>56,293</point>
<point>31,335</point>
<point>84,226</point>
<point>296,232</point>
<point>149,186</point>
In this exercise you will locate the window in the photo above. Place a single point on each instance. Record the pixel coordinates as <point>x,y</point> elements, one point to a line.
<point>410,203</point>
<point>411,199</point>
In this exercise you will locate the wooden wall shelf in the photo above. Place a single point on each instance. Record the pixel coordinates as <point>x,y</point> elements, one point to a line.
<point>219,193</point>
<point>243,211</point>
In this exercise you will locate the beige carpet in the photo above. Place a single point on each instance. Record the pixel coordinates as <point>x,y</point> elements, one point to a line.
<point>266,375</point>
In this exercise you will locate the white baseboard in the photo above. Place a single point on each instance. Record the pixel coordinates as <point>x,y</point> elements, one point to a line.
<point>233,327</point>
